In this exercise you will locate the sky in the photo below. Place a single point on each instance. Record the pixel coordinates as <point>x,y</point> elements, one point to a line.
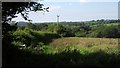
<point>74,10</point>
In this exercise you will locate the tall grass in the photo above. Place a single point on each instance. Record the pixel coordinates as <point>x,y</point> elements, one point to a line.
<point>83,42</point>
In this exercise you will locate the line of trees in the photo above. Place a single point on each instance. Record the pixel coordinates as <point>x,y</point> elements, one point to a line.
<point>79,29</point>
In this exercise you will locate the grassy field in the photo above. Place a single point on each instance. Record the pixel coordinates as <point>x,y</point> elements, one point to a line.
<point>83,45</point>
<point>84,41</point>
<point>112,24</point>
<point>86,44</point>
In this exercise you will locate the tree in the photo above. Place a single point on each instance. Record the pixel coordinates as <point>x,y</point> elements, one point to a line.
<point>10,9</point>
<point>105,31</point>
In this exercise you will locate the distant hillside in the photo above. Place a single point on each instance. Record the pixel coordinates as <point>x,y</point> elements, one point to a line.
<point>22,23</point>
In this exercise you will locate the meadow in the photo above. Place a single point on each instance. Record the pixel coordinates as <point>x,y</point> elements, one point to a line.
<point>88,44</point>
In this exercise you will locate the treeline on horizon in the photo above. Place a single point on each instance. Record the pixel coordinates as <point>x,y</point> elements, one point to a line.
<point>98,29</point>
<point>95,21</point>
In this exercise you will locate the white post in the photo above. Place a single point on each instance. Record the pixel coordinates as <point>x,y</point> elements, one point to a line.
<point>58,18</point>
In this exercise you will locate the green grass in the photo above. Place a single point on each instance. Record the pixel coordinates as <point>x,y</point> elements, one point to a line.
<point>83,45</point>
<point>112,24</point>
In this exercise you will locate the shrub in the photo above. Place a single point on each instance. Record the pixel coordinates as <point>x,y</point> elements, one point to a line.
<point>23,36</point>
<point>81,33</point>
<point>32,37</point>
<point>104,31</point>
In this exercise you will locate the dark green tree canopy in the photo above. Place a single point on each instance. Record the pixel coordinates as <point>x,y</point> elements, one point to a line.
<point>10,9</point>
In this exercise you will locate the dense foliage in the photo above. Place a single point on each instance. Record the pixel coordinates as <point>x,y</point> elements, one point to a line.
<point>31,37</point>
<point>103,31</point>
<point>9,11</point>
<point>98,29</point>
<point>46,56</point>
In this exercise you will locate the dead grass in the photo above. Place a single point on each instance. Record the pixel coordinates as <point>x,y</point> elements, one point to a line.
<point>97,43</point>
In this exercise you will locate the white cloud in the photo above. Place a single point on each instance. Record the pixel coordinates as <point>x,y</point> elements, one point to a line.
<point>82,1</point>
<point>70,4</point>
<point>98,1</point>
<point>61,0</point>
<point>52,8</point>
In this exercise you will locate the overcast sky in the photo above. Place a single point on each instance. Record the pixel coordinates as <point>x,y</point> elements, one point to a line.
<point>75,10</point>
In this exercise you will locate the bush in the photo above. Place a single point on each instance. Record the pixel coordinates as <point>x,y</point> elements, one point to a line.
<point>103,31</point>
<point>81,33</point>
<point>32,37</point>
<point>23,36</point>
